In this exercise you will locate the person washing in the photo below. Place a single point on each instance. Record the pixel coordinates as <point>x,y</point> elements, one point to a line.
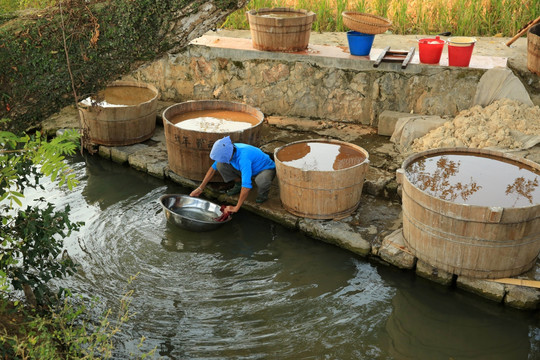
<point>240,162</point>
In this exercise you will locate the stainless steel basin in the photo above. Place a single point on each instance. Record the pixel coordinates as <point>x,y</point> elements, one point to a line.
<point>191,213</point>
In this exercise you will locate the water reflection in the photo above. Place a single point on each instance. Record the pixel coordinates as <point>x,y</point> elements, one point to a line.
<point>102,184</point>
<point>255,290</point>
<point>476,180</point>
<point>437,182</point>
<point>522,188</point>
<point>320,156</point>
<point>445,324</point>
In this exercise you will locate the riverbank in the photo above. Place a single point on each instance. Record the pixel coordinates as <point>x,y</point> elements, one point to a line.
<point>374,229</point>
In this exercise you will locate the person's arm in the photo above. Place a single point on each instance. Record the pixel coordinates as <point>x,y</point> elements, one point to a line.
<point>209,174</point>
<point>241,198</point>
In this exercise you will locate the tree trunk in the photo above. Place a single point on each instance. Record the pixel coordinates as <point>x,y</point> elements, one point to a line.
<point>104,40</point>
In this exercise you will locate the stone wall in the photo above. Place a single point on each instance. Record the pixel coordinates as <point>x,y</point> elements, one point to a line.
<point>310,85</point>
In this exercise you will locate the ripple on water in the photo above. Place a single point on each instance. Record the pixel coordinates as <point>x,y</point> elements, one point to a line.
<point>253,289</point>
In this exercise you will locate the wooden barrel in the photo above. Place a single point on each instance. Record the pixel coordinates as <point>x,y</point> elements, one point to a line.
<point>321,194</point>
<point>188,151</point>
<point>122,114</point>
<point>533,49</point>
<point>469,240</point>
<point>280,29</point>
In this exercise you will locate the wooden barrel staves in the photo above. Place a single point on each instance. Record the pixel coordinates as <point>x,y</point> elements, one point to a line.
<point>188,150</point>
<point>280,29</point>
<point>464,239</point>
<point>326,186</point>
<point>124,113</point>
<point>533,49</point>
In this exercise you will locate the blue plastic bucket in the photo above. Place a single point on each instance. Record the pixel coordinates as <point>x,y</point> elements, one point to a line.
<point>359,43</point>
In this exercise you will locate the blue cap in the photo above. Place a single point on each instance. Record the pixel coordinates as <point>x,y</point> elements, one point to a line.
<point>222,150</point>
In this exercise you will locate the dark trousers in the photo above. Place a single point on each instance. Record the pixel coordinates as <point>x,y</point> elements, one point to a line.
<point>262,179</point>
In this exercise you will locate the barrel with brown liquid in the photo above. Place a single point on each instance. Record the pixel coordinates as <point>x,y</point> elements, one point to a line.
<point>129,117</point>
<point>484,223</point>
<point>321,183</point>
<point>188,151</point>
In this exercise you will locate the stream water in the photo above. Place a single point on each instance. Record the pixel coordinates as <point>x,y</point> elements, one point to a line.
<point>255,290</point>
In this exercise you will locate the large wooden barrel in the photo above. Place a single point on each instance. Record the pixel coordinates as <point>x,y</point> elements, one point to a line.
<point>280,29</point>
<point>533,49</point>
<point>330,189</point>
<point>468,239</point>
<point>124,113</point>
<point>188,151</point>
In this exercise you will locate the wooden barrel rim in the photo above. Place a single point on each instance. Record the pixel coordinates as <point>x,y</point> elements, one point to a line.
<point>493,153</point>
<point>331,141</point>
<point>127,83</point>
<point>281,9</point>
<point>215,105</point>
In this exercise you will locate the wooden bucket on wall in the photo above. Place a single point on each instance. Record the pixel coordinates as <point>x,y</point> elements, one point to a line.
<point>469,240</point>
<point>188,151</point>
<point>280,29</point>
<point>321,194</point>
<point>533,49</point>
<point>131,121</point>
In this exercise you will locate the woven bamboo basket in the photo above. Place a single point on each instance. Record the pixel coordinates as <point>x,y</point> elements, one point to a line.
<point>365,23</point>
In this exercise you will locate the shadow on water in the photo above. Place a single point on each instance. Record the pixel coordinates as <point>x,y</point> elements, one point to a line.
<point>105,183</point>
<point>434,322</point>
<point>252,289</point>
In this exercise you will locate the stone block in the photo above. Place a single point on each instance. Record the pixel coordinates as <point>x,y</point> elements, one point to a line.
<point>376,181</point>
<point>522,297</point>
<point>488,289</point>
<point>105,152</point>
<point>138,161</point>
<point>388,119</point>
<point>120,154</point>
<point>336,233</point>
<point>394,251</point>
<point>157,169</point>
<point>429,272</point>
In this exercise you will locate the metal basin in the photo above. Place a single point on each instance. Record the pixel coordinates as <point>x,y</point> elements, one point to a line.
<point>191,213</point>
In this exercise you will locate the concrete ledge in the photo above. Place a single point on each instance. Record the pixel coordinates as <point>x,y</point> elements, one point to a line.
<point>323,82</point>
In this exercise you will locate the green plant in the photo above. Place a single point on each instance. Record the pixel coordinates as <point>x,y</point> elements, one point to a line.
<point>461,17</point>
<point>32,237</point>
<point>66,333</point>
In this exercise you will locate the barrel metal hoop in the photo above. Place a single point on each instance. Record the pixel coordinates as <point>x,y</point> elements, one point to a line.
<point>465,219</point>
<point>532,238</point>
<point>319,189</point>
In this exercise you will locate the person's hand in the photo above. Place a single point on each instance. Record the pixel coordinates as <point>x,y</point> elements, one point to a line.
<point>195,193</point>
<point>230,209</point>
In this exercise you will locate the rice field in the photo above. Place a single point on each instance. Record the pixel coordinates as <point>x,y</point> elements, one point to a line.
<point>461,17</point>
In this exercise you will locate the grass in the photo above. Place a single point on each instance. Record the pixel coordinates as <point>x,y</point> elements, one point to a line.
<point>461,17</point>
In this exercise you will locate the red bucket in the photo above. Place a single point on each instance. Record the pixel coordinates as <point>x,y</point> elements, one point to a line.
<point>460,50</point>
<point>430,50</point>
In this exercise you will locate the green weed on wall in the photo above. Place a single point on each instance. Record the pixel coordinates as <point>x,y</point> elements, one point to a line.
<point>103,41</point>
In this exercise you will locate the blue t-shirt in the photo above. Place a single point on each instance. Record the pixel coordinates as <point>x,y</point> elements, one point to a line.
<point>250,161</point>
